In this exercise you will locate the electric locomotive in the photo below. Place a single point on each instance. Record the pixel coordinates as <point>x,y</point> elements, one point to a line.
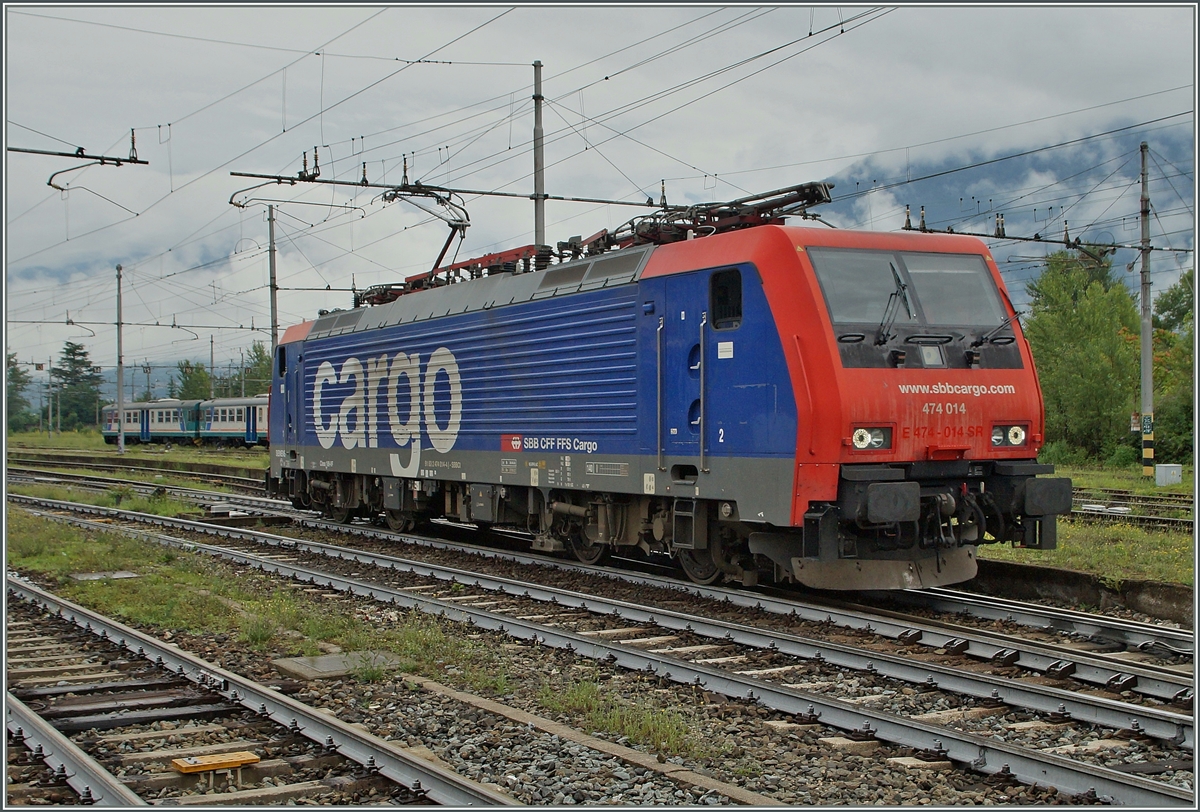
<point>841,409</point>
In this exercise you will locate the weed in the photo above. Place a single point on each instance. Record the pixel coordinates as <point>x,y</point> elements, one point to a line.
<point>123,497</point>
<point>370,668</point>
<point>258,631</point>
<point>22,546</point>
<point>663,729</point>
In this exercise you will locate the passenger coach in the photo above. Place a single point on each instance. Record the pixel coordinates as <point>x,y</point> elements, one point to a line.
<point>228,421</point>
<point>155,421</point>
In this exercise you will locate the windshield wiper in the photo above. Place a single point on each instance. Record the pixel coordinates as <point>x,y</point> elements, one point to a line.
<point>889,313</point>
<point>986,337</point>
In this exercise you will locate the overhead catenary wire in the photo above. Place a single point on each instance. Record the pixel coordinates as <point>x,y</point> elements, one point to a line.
<point>1024,153</point>
<point>946,139</point>
<point>1163,175</point>
<point>637,104</point>
<point>523,89</point>
<point>271,138</point>
<point>256,45</point>
<point>313,229</point>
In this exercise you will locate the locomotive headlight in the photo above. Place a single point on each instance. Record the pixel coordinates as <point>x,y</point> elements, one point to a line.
<point>1006,436</point>
<point>871,439</point>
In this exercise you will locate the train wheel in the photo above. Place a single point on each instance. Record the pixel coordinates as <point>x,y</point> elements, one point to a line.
<point>699,565</point>
<point>398,521</point>
<point>586,551</point>
<point>341,515</point>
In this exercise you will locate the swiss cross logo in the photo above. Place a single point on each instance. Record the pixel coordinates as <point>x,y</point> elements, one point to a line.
<point>510,442</point>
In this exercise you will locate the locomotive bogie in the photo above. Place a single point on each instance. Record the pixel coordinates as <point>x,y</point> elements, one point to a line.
<point>724,401</point>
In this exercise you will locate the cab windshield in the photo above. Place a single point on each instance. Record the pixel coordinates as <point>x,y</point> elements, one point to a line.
<point>945,290</point>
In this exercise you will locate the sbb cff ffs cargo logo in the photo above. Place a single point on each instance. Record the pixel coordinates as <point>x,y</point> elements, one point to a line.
<point>510,442</point>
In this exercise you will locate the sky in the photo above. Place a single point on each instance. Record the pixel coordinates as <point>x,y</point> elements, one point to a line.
<point>1036,112</point>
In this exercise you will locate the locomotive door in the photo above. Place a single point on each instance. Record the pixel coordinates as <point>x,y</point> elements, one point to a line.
<point>293,397</point>
<point>684,327</point>
<point>290,380</point>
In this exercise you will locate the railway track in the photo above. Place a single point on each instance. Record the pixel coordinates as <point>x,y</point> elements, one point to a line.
<point>242,483</point>
<point>256,510</point>
<point>1091,505</point>
<point>126,719</point>
<point>793,674</point>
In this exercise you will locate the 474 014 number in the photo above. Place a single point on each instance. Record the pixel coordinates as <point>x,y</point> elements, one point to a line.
<point>944,408</point>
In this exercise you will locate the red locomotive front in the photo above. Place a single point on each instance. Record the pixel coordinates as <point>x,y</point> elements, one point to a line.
<point>924,412</point>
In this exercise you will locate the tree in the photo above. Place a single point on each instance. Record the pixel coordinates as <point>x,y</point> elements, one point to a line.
<point>1084,335</point>
<point>258,369</point>
<point>20,410</point>
<point>192,383</point>
<point>1174,371</point>
<point>75,387</point>
<point>1174,309</point>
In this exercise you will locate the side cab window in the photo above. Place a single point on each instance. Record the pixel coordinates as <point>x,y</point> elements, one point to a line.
<point>725,299</point>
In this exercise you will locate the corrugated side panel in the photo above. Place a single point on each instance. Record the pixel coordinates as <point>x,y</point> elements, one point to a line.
<point>562,366</point>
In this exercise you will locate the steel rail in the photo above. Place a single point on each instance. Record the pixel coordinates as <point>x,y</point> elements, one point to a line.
<point>1095,710</point>
<point>1099,517</point>
<point>45,470</point>
<point>32,456</point>
<point>983,754</point>
<point>94,785</point>
<point>1142,636</point>
<point>1155,722</point>
<point>981,644</point>
<point>1168,498</point>
<point>441,784</point>
<point>1161,683</point>
<point>147,488</point>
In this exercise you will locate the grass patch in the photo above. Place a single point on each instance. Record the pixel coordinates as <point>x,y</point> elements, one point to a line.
<point>197,593</point>
<point>661,729</point>
<point>88,439</point>
<point>169,595</point>
<point>1128,478</point>
<point>164,479</point>
<point>1113,552</point>
<point>253,457</point>
<point>123,497</point>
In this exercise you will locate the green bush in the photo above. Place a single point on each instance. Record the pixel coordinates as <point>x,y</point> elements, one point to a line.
<point>1173,428</point>
<point>1060,452</point>
<point>1122,457</point>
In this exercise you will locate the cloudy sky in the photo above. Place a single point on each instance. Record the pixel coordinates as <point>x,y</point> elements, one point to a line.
<point>1035,112</point>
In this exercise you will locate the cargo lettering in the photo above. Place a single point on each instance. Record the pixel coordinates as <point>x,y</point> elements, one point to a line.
<point>407,395</point>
